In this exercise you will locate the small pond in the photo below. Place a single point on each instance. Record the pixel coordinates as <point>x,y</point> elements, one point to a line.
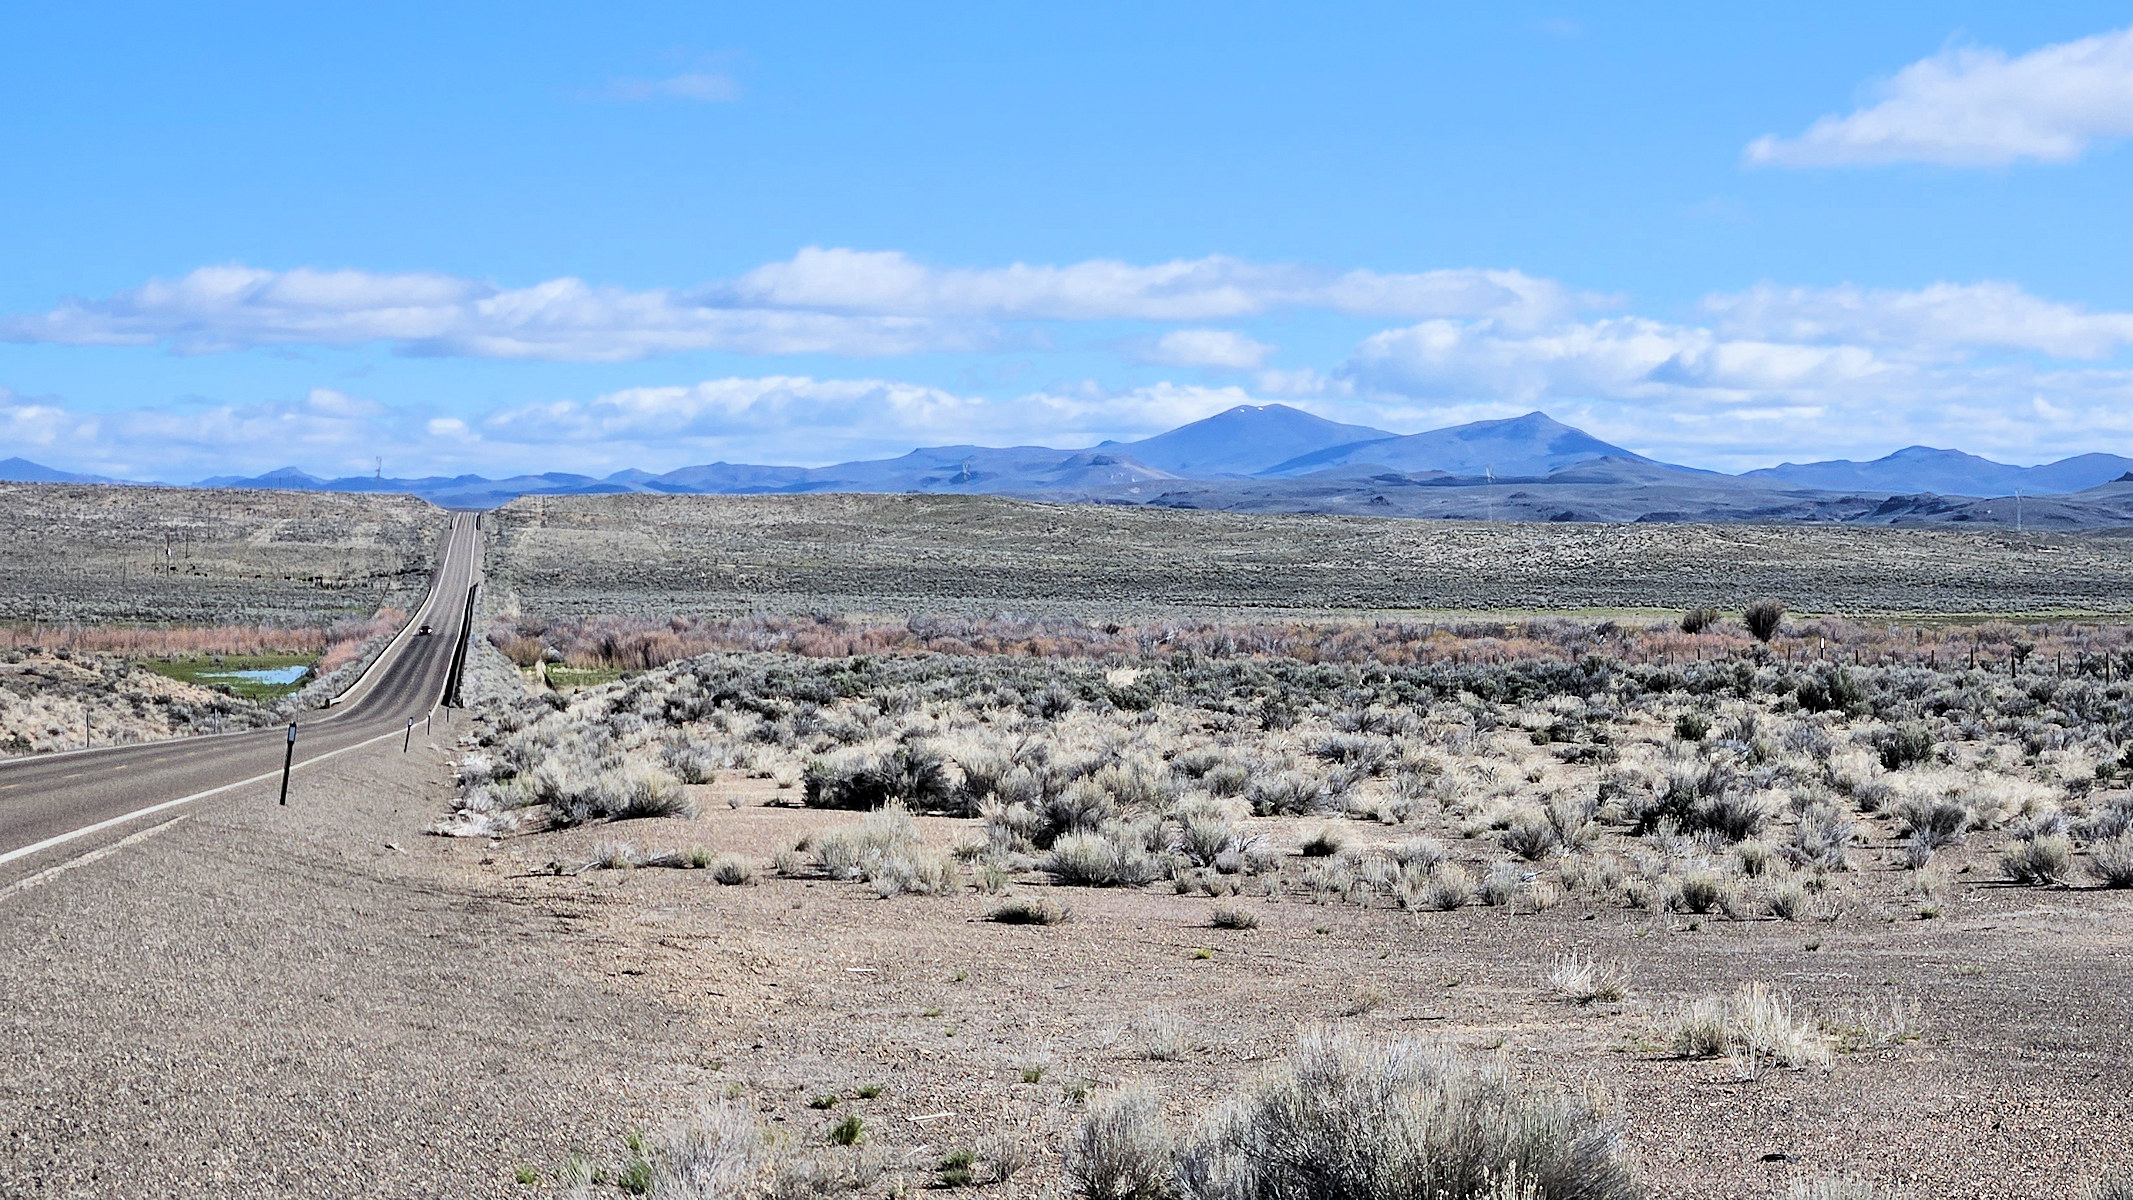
<point>277,676</point>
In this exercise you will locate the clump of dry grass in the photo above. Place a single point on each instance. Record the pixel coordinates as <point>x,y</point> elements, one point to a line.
<point>884,849</point>
<point>1755,1027</point>
<point>616,856</point>
<point>1122,1149</point>
<point>1358,1120</point>
<point>2040,861</point>
<point>1366,998</point>
<point>1029,912</point>
<point>1587,980</point>
<point>1442,888</point>
<point>1206,835</point>
<point>732,870</point>
<point>2112,861</point>
<point>1163,1038</point>
<point>721,1151</point>
<point>1531,836</point>
<point>1115,858</point>
<point>1234,918</point>
<point>1823,838</point>
<point>1882,1021</point>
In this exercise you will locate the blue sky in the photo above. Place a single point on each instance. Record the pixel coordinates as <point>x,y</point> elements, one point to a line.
<point>543,237</point>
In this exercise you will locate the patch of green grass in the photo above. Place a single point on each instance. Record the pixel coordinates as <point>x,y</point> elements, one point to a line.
<point>526,1176</point>
<point>871,1091</point>
<point>848,1131</point>
<point>1034,1073</point>
<point>826,1100</point>
<point>1202,952</point>
<point>636,1178</point>
<point>218,671</point>
<point>582,677</point>
<point>958,1168</point>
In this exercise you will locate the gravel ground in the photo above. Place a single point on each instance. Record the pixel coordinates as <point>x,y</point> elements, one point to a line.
<point>310,1001</point>
<point>805,988</point>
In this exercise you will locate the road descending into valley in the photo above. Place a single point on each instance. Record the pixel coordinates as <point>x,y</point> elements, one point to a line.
<point>56,804</point>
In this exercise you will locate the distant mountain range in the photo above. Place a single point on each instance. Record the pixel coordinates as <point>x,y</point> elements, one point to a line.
<point>1274,458</point>
<point>1924,469</point>
<point>22,470</point>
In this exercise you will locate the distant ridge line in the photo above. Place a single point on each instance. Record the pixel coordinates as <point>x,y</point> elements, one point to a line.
<point>1275,457</point>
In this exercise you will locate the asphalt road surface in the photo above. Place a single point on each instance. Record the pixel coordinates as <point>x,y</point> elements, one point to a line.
<point>52,806</point>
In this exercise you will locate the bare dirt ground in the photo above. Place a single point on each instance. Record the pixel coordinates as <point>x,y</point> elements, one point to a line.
<point>803,988</point>
<point>575,556</point>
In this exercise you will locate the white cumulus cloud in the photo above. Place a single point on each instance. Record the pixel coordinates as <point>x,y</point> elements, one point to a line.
<point>1212,288</point>
<point>1978,107</point>
<point>236,307</point>
<point>1925,321</point>
<point>1207,348</point>
<point>1731,397</point>
<point>838,302</point>
<point>1622,358</point>
<point>760,419</point>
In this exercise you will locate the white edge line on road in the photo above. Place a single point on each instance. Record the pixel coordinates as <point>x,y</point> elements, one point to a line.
<point>422,610</point>
<point>138,813</point>
<point>131,839</point>
<point>429,601</point>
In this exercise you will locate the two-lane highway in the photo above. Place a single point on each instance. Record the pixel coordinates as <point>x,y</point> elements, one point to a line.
<point>50,803</point>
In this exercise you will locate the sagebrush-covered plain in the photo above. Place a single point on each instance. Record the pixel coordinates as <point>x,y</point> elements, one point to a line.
<point>958,844</point>
<point>1104,851</point>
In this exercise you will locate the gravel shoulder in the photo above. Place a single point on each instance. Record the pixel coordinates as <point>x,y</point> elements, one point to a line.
<point>311,1001</point>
